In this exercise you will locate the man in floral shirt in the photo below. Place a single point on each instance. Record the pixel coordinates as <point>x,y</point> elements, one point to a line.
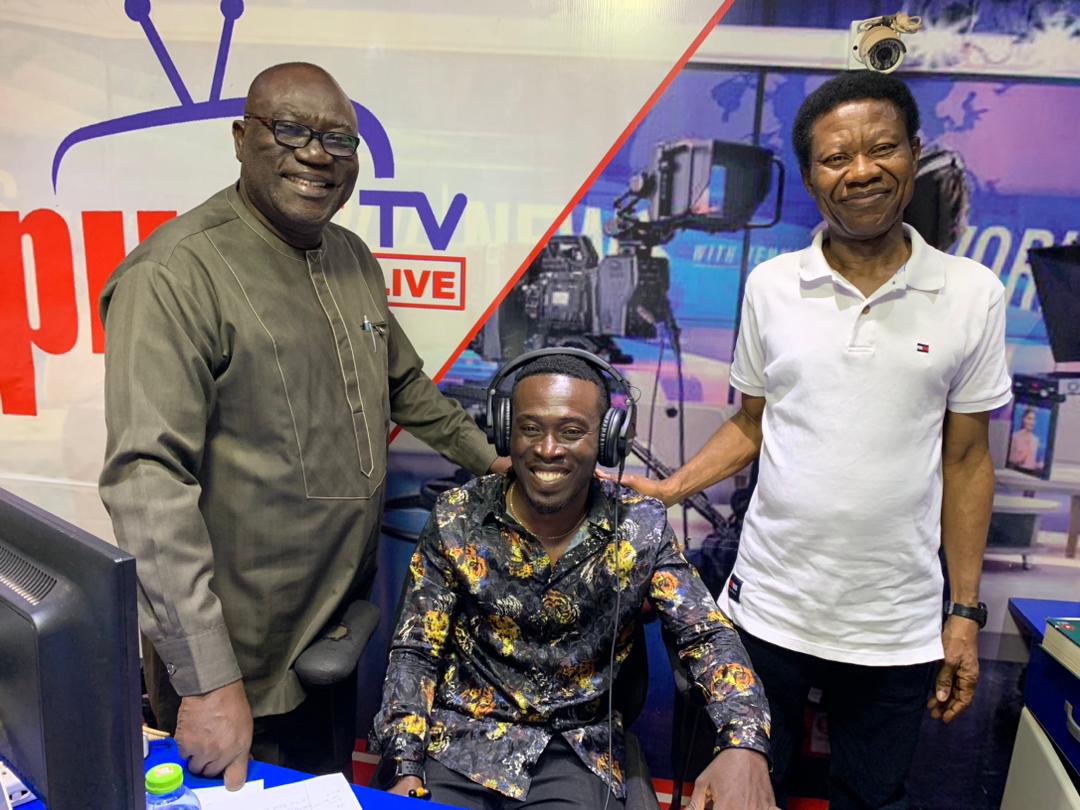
<point>497,689</point>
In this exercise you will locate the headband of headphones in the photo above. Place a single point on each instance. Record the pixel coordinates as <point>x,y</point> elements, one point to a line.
<point>617,425</point>
<point>593,360</point>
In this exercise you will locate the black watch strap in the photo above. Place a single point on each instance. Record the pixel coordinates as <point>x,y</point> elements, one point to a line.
<point>409,767</point>
<point>977,614</point>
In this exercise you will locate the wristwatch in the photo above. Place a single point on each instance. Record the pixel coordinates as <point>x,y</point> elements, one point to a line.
<point>390,770</point>
<point>977,613</point>
<point>408,767</point>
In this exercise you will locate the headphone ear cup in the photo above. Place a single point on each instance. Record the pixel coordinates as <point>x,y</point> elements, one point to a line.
<point>500,423</point>
<point>610,427</point>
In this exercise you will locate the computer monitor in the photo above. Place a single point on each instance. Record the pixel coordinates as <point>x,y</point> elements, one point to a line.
<point>70,713</point>
<point>1057,280</point>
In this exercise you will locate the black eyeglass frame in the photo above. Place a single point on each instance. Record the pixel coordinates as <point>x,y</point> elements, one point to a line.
<point>272,125</point>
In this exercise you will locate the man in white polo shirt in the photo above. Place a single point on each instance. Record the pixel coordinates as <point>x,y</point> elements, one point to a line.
<point>868,363</point>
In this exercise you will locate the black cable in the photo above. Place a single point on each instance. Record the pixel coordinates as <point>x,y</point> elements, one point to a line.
<point>676,349</point>
<point>614,636</point>
<point>656,388</point>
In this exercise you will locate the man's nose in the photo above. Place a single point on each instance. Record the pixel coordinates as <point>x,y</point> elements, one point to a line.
<point>314,153</point>
<point>549,446</point>
<point>863,169</point>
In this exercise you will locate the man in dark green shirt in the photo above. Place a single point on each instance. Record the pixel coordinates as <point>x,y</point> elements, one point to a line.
<point>252,371</point>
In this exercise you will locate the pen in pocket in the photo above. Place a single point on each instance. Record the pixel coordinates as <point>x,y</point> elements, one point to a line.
<point>372,328</point>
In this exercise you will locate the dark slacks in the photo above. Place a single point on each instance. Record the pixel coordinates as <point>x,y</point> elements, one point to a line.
<point>318,736</point>
<point>874,717</point>
<point>560,781</point>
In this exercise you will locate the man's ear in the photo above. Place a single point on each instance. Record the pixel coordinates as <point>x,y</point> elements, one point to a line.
<point>238,138</point>
<point>805,173</point>
<point>916,148</point>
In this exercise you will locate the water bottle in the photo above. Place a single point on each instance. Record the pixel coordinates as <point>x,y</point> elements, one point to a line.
<point>165,789</point>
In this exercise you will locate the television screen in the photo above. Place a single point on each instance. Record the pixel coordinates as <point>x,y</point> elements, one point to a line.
<point>1032,435</point>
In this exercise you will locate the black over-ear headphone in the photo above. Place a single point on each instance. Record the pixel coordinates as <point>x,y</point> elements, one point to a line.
<point>616,428</point>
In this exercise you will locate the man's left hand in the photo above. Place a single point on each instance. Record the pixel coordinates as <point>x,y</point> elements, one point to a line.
<point>737,779</point>
<point>954,688</point>
<point>499,465</point>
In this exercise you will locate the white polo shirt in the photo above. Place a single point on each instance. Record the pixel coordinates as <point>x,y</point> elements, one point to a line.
<point>838,557</point>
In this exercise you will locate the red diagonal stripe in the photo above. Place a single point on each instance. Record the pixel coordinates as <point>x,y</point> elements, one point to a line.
<point>603,164</point>
<point>650,102</point>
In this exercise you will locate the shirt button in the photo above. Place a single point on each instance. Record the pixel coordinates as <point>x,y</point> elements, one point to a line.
<point>171,669</point>
<point>866,310</point>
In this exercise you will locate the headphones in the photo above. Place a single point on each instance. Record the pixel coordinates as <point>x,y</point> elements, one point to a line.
<point>616,428</point>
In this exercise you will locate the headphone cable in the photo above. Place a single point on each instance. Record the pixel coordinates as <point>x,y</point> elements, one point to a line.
<point>676,350</point>
<point>614,636</point>
<point>652,401</point>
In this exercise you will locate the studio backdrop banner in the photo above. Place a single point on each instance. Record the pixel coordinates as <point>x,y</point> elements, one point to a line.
<point>480,121</point>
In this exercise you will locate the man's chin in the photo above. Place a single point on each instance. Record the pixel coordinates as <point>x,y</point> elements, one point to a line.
<point>306,213</point>
<point>863,229</point>
<point>548,506</point>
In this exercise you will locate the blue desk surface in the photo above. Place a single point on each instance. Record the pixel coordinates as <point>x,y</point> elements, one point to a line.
<point>272,776</point>
<point>1031,615</point>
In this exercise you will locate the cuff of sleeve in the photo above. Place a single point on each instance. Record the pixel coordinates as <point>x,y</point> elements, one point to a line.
<point>980,405</point>
<point>402,748</point>
<point>752,738</point>
<point>475,454</point>
<point>745,387</point>
<point>199,663</point>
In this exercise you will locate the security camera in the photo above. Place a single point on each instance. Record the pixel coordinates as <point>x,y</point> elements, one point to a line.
<point>876,44</point>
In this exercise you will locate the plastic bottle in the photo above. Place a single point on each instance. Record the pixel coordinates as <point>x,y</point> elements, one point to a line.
<point>165,789</point>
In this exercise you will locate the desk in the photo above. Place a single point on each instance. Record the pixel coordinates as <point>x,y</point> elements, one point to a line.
<point>1031,616</point>
<point>1064,478</point>
<point>1038,774</point>
<point>272,776</point>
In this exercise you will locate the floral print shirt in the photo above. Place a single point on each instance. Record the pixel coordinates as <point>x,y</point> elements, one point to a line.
<point>497,649</point>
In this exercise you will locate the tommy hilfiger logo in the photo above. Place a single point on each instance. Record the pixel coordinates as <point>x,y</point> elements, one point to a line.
<point>922,347</point>
<point>734,588</point>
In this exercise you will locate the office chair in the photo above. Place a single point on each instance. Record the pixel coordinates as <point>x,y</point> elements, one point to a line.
<point>328,665</point>
<point>630,690</point>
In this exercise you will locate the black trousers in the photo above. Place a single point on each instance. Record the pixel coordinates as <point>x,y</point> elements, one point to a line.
<point>560,781</point>
<point>318,736</point>
<point>874,717</point>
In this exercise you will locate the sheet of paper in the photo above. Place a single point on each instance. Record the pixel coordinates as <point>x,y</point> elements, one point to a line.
<point>321,793</point>
<point>249,797</point>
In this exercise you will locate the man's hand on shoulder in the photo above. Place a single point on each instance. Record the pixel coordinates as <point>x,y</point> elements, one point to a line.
<point>213,732</point>
<point>500,465</point>
<point>954,687</point>
<point>651,487</point>
<point>737,779</point>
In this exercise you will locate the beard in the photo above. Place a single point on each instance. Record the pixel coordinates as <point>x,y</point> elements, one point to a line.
<point>548,508</point>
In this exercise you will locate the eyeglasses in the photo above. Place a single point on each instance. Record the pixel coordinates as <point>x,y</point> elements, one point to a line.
<point>297,136</point>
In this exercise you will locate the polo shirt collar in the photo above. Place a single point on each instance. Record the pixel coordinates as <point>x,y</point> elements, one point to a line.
<point>923,271</point>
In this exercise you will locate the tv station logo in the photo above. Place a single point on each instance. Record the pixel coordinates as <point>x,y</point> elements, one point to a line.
<point>425,282</point>
<point>38,307</point>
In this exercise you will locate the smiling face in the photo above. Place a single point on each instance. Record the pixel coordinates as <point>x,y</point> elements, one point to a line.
<point>295,192</point>
<point>862,168</point>
<point>555,439</point>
